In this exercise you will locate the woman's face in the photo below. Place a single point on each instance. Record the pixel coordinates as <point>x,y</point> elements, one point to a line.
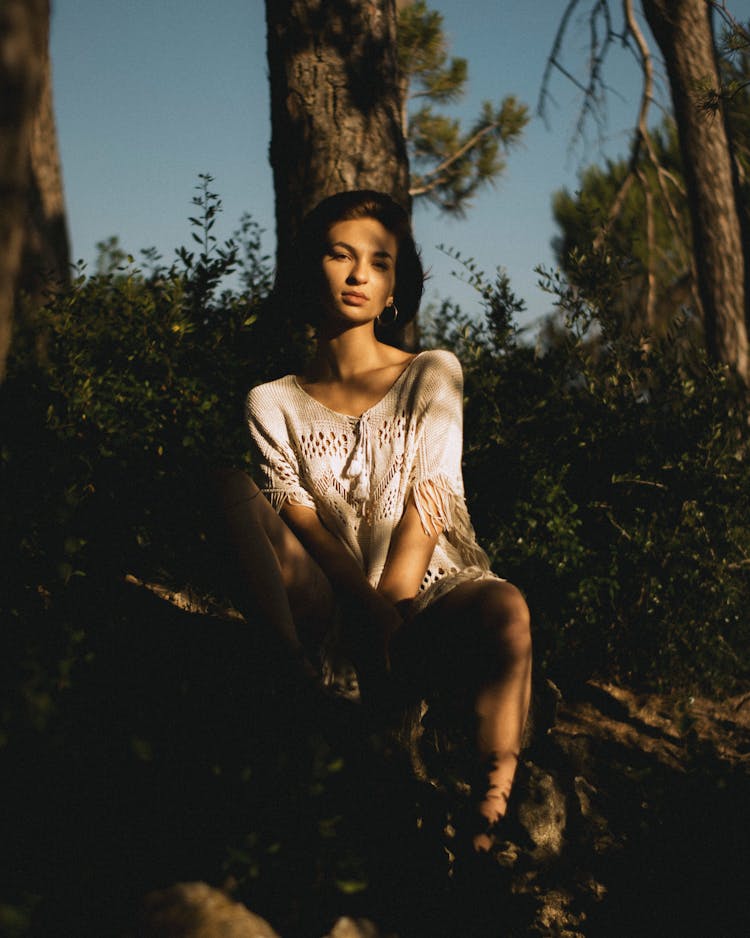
<point>359,270</point>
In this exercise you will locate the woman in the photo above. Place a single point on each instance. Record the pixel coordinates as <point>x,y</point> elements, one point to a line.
<point>361,502</point>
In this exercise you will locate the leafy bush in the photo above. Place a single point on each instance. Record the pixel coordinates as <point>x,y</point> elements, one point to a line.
<point>606,472</point>
<point>607,475</point>
<point>123,395</point>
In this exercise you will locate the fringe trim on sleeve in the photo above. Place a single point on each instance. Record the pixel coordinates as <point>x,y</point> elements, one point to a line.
<point>277,498</point>
<point>442,509</point>
<point>434,499</point>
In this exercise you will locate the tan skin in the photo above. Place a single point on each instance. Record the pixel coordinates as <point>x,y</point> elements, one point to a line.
<point>293,565</point>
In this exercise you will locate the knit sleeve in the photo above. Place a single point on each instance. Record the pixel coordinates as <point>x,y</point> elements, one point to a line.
<point>273,456</point>
<point>437,484</point>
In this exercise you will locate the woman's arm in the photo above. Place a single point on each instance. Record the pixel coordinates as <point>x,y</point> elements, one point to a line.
<point>437,481</point>
<point>379,618</point>
<point>374,618</point>
<point>408,556</point>
<point>332,556</point>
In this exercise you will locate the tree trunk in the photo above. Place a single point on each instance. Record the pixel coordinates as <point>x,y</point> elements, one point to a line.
<point>33,235</point>
<point>335,105</point>
<point>23,34</point>
<point>46,254</point>
<point>682,28</point>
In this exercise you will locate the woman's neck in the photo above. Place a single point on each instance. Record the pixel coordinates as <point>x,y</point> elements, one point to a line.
<point>346,354</point>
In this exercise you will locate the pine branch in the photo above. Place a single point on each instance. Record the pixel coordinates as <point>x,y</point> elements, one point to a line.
<point>449,161</point>
<point>732,22</point>
<point>454,163</point>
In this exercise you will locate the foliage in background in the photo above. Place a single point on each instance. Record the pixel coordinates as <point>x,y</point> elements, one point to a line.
<point>607,475</point>
<point>448,163</point>
<point>666,257</point>
<point>663,254</point>
<point>606,472</point>
<point>123,394</point>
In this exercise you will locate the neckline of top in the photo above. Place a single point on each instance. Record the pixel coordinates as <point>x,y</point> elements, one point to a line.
<point>372,407</point>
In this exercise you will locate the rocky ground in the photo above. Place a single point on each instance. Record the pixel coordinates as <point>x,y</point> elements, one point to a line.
<point>181,761</point>
<point>631,820</point>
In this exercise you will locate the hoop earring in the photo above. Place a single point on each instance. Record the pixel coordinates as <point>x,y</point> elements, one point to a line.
<point>392,320</point>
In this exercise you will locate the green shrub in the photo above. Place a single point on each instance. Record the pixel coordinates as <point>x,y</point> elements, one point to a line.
<point>607,475</point>
<point>123,394</point>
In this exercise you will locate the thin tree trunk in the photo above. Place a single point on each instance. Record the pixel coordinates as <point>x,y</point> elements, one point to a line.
<point>46,255</point>
<point>335,105</point>
<point>24,26</point>
<point>682,29</point>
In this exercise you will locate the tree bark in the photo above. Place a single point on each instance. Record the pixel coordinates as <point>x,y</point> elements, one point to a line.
<point>46,256</point>
<point>33,234</point>
<point>335,105</point>
<point>23,32</point>
<point>683,31</point>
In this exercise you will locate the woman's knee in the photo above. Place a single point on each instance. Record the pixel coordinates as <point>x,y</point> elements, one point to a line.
<point>503,622</point>
<point>233,487</point>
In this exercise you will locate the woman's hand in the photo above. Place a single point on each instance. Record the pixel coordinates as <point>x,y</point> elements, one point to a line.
<point>372,621</point>
<point>296,665</point>
<point>306,670</point>
<point>385,620</point>
<point>404,608</point>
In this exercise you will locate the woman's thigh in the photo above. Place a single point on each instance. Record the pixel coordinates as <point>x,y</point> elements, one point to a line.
<point>452,647</point>
<point>308,589</point>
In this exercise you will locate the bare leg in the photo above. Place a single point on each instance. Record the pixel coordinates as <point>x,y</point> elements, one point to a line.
<point>476,640</point>
<point>280,579</point>
<point>502,704</point>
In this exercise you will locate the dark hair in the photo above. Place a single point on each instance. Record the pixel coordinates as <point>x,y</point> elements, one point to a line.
<point>311,245</point>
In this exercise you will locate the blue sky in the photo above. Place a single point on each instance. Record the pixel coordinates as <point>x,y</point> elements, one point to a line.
<point>149,93</point>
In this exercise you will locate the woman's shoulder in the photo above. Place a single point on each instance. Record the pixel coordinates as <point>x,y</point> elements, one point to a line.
<point>438,358</point>
<point>272,388</point>
<point>267,395</point>
<point>437,365</point>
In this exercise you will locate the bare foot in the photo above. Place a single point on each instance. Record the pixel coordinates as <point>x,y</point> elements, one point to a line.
<point>492,807</point>
<point>491,812</point>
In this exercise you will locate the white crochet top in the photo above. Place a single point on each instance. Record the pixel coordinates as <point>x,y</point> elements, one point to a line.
<point>357,473</point>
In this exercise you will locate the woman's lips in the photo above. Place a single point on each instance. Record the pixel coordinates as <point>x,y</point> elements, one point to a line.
<point>354,299</point>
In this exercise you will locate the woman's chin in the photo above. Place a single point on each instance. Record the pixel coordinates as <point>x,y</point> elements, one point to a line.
<point>350,316</point>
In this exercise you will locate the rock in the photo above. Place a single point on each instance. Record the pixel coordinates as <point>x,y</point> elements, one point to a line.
<point>541,812</point>
<point>196,910</point>
<point>593,826</point>
<point>351,928</point>
<point>554,916</point>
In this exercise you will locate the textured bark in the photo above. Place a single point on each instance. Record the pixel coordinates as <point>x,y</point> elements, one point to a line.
<point>683,30</point>
<point>23,33</point>
<point>33,236</point>
<point>46,255</point>
<point>335,105</point>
